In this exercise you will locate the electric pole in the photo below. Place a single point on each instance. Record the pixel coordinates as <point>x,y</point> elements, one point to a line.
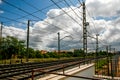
<point>107,61</point>
<point>1,39</point>
<point>28,40</point>
<point>96,45</point>
<point>85,24</point>
<point>114,51</point>
<point>96,54</point>
<point>110,49</point>
<point>58,43</point>
<point>1,34</point>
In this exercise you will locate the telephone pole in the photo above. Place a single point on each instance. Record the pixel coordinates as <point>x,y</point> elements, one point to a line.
<point>114,51</point>
<point>28,40</point>
<point>110,49</point>
<point>108,73</point>
<point>85,24</point>
<point>96,45</point>
<point>96,54</point>
<point>1,37</point>
<point>1,33</point>
<point>58,43</point>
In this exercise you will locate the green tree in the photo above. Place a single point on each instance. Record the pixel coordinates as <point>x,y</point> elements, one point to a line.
<point>46,55</point>
<point>38,54</point>
<point>102,53</point>
<point>10,46</point>
<point>31,53</point>
<point>53,54</point>
<point>78,53</point>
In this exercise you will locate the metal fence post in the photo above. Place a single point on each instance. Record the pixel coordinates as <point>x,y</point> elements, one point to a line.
<point>32,74</point>
<point>63,70</point>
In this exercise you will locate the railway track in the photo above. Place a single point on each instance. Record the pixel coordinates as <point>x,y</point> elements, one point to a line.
<point>24,71</point>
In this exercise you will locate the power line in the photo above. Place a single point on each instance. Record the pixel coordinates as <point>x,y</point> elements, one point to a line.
<point>65,12</point>
<point>74,5</point>
<point>37,17</point>
<point>43,12</point>
<point>71,2</point>
<point>80,2</point>
<point>11,19</point>
<point>35,11</point>
<point>40,10</point>
<point>72,9</point>
<point>33,6</point>
<point>93,25</point>
<point>19,8</point>
<point>29,4</point>
<point>92,21</point>
<point>10,12</point>
<point>31,15</point>
<point>58,27</point>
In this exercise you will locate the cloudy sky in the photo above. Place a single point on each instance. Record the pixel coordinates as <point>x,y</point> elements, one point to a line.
<point>48,17</point>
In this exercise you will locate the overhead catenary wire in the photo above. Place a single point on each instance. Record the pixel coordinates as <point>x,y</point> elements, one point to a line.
<point>19,9</point>
<point>72,9</point>
<point>40,10</point>
<point>12,20</point>
<point>74,5</point>
<point>33,6</point>
<point>10,11</point>
<point>9,20</point>
<point>43,12</point>
<point>72,46</point>
<point>33,15</point>
<point>80,2</point>
<point>37,17</point>
<point>95,30</point>
<point>94,24</point>
<point>66,12</point>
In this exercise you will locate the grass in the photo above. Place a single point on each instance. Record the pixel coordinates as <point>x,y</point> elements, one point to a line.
<point>101,63</point>
<point>17,61</point>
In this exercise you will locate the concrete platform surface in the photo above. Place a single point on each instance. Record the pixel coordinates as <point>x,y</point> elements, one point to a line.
<point>68,72</point>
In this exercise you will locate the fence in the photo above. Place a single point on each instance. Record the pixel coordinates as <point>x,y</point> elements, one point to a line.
<point>109,66</point>
<point>63,67</point>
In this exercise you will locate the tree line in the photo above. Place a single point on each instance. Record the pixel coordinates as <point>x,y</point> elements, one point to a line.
<point>11,47</point>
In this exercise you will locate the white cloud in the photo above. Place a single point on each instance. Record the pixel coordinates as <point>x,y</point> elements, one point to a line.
<point>104,8</point>
<point>1,11</point>
<point>12,31</point>
<point>0,1</point>
<point>44,35</point>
